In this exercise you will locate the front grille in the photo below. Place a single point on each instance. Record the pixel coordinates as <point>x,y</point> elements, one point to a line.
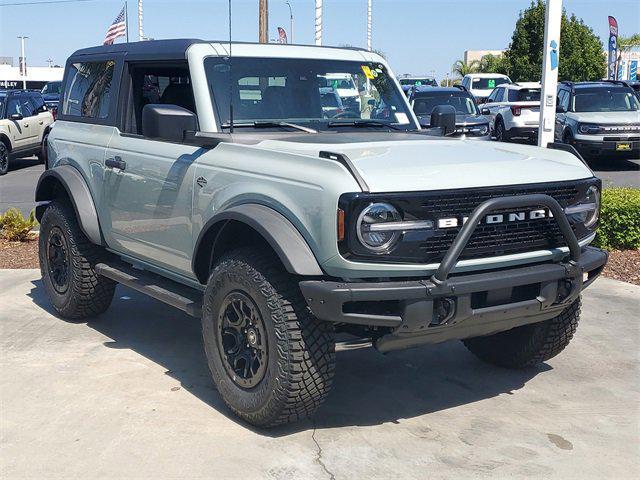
<point>487,241</point>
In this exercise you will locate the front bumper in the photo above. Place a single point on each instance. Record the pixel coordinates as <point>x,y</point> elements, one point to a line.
<point>423,311</point>
<point>598,147</point>
<point>529,133</point>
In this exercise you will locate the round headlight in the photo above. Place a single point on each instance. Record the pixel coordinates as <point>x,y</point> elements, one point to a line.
<point>592,198</point>
<point>377,241</point>
<point>587,210</point>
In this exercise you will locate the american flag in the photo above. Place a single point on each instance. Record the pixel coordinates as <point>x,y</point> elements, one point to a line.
<point>117,29</point>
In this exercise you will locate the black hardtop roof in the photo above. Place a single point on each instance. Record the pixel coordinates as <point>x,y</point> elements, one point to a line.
<point>427,89</point>
<point>164,49</point>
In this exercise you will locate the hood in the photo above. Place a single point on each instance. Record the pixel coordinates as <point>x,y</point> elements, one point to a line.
<point>415,163</point>
<point>606,118</point>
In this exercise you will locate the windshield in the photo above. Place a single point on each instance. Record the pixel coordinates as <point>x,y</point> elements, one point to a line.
<point>305,92</point>
<point>605,100</point>
<point>51,88</point>
<point>525,95</point>
<point>487,83</point>
<point>424,104</point>
<point>418,81</point>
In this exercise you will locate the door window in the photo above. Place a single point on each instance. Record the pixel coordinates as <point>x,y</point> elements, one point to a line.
<point>88,90</point>
<point>26,106</point>
<point>14,106</point>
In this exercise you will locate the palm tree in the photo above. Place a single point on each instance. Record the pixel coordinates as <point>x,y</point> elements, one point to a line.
<point>462,68</point>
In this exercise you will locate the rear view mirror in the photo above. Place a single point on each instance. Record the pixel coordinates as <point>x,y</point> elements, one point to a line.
<point>371,102</point>
<point>167,122</point>
<point>444,116</point>
<point>485,111</point>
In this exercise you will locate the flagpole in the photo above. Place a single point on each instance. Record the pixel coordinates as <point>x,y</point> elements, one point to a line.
<point>126,18</point>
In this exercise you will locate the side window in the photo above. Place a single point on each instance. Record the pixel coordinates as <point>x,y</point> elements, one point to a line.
<point>493,95</point>
<point>156,84</point>
<point>26,105</point>
<point>563,99</point>
<point>38,103</point>
<point>88,90</point>
<point>14,106</point>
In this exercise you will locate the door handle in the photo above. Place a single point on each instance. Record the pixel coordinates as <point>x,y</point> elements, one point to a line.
<point>25,125</point>
<point>115,162</point>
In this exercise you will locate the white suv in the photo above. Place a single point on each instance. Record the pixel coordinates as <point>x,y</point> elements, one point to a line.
<point>482,84</point>
<point>514,111</point>
<point>25,122</point>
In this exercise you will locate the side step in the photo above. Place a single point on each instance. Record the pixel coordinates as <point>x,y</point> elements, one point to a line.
<point>172,293</point>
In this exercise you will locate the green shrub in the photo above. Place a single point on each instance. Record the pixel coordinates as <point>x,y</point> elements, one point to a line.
<point>14,227</point>
<point>619,219</point>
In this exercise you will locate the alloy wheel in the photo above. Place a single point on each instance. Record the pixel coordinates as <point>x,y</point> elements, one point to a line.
<point>242,340</point>
<point>58,260</point>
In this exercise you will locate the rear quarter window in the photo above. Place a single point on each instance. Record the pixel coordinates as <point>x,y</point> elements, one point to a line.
<point>88,90</point>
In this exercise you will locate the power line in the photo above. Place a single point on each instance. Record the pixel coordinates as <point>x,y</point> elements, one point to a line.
<point>19,4</point>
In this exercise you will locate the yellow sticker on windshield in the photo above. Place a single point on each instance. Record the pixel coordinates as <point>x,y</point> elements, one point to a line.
<point>367,72</point>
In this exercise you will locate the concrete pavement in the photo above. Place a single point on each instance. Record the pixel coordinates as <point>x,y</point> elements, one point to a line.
<point>129,395</point>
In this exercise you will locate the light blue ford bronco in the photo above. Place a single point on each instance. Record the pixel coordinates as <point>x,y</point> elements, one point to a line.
<point>223,186</point>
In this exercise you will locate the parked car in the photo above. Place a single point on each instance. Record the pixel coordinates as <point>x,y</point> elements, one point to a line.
<point>331,102</point>
<point>470,123</point>
<point>480,85</point>
<point>406,83</point>
<point>346,88</point>
<point>237,201</point>
<point>636,87</point>
<point>51,94</point>
<point>599,118</point>
<point>25,123</point>
<point>514,111</point>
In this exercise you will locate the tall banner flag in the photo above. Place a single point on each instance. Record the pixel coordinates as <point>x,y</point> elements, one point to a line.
<point>633,70</point>
<point>613,48</point>
<point>282,35</point>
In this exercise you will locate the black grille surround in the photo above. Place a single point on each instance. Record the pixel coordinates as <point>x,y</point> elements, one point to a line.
<point>489,240</point>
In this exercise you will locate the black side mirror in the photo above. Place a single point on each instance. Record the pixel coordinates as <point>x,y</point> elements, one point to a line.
<point>15,117</point>
<point>485,111</point>
<point>371,102</point>
<point>167,122</point>
<point>444,116</point>
<point>560,109</point>
<point>425,122</point>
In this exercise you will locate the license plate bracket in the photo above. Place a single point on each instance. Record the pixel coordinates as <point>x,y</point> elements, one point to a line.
<point>623,146</point>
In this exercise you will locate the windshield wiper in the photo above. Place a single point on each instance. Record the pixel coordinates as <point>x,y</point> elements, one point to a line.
<point>270,124</point>
<point>362,123</point>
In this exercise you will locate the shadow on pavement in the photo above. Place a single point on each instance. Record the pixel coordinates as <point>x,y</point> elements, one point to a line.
<point>613,165</point>
<point>369,388</point>
<point>16,164</point>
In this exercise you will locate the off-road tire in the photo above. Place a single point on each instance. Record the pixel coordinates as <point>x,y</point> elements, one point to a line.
<point>528,345</point>
<point>301,349</point>
<point>4,159</point>
<point>87,293</point>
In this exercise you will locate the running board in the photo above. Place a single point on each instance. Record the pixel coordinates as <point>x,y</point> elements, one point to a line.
<point>172,293</point>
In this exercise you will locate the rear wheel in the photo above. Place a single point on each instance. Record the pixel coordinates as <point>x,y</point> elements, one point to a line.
<point>501,133</point>
<point>271,360</point>
<point>4,159</point>
<point>528,345</point>
<point>67,261</point>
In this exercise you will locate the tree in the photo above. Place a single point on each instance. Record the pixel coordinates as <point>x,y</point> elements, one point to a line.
<point>462,68</point>
<point>494,64</point>
<point>581,55</point>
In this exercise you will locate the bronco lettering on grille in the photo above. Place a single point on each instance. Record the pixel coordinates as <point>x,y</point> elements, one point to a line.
<point>497,218</point>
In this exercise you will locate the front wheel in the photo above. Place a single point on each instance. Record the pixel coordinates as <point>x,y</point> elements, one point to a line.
<point>4,159</point>
<point>272,361</point>
<point>528,345</point>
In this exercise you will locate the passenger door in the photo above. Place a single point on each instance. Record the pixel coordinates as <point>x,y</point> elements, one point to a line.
<point>493,104</point>
<point>149,183</point>
<point>29,121</point>
<point>18,132</point>
<point>561,116</point>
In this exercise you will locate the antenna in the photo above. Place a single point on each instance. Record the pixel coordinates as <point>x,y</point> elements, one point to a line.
<point>230,78</point>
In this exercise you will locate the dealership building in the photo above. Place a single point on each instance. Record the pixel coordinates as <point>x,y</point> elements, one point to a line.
<point>36,77</point>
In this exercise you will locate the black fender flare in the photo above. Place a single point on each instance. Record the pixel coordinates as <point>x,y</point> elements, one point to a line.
<point>72,181</point>
<point>283,237</point>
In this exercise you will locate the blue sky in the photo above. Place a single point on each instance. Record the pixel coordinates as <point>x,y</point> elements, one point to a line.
<point>417,36</point>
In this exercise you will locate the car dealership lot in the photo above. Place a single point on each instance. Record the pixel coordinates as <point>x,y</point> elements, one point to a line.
<point>129,395</point>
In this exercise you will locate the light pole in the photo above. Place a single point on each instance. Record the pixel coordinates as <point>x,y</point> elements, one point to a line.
<point>318,22</point>
<point>369,46</point>
<point>23,62</point>
<point>263,21</point>
<point>290,21</point>
<point>140,30</point>
<point>550,62</point>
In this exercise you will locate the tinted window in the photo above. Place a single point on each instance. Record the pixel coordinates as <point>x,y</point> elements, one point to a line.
<point>487,83</point>
<point>605,100</point>
<point>14,106</point>
<point>38,103</point>
<point>418,81</point>
<point>424,104</point>
<point>27,107</point>
<point>52,88</point>
<point>525,95</point>
<point>3,99</point>
<point>88,89</point>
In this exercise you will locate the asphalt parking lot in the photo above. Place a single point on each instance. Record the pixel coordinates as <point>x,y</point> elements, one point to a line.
<point>128,395</point>
<point>18,186</point>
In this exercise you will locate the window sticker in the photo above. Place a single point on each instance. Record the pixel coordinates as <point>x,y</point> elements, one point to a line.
<point>402,118</point>
<point>491,83</point>
<point>368,73</point>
